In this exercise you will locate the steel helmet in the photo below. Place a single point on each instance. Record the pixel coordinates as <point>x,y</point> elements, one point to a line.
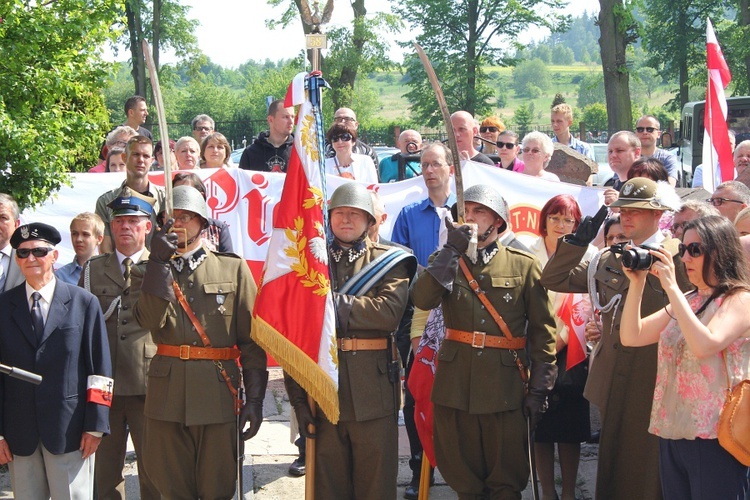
<point>354,195</point>
<point>490,198</point>
<point>190,199</point>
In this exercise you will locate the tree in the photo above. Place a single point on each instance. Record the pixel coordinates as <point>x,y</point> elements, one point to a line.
<point>562,55</point>
<point>595,116</point>
<point>52,115</point>
<point>674,36</point>
<point>617,31</point>
<point>650,79</point>
<point>530,78</point>
<point>462,36</point>
<point>591,90</point>
<point>558,99</point>
<point>522,117</point>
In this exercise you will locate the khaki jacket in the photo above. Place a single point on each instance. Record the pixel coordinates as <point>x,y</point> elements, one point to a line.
<point>487,380</point>
<point>130,345</point>
<point>221,291</point>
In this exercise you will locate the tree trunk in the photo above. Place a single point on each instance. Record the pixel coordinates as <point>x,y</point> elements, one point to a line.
<point>156,33</point>
<point>133,13</point>
<point>470,104</point>
<point>306,29</point>
<point>682,56</point>
<point>613,44</point>
<point>349,72</point>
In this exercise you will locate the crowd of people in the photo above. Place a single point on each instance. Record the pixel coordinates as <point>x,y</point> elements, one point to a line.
<point>147,331</point>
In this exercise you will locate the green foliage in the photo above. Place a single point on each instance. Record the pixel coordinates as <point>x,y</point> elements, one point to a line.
<point>595,116</point>
<point>580,37</point>
<point>523,117</point>
<point>462,36</point>
<point>591,90</point>
<point>562,55</point>
<point>52,115</point>
<point>530,78</point>
<point>559,99</point>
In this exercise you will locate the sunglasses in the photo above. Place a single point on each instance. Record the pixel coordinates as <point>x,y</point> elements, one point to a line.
<point>506,145</point>
<point>203,129</point>
<point>534,151</point>
<point>717,202</point>
<point>650,130</point>
<point>695,249</point>
<point>489,129</point>
<point>342,137</point>
<point>38,252</point>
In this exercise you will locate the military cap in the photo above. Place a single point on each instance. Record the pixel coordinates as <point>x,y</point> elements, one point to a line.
<point>35,231</point>
<point>132,203</point>
<point>642,192</point>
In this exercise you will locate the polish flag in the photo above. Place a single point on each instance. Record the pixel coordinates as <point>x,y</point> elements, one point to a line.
<point>574,311</point>
<point>717,152</point>
<point>293,318</point>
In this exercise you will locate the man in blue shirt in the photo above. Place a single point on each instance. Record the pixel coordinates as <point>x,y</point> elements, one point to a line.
<point>648,131</point>
<point>86,233</point>
<point>561,119</point>
<point>418,227</point>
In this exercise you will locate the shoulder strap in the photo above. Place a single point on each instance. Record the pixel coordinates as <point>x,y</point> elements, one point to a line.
<point>373,272</point>
<point>87,286</point>
<point>495,315</point>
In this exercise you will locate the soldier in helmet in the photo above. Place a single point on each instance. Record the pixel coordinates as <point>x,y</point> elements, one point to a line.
<point>621,381</point>
<point>197,304</point>
<point>358,456</point>
<point>484,362</point>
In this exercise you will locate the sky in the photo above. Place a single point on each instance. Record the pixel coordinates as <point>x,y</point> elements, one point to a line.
<point>233,31</point>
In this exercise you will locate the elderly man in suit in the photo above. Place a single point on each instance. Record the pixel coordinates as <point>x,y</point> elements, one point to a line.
<point>10,274</point>
<point>116,280</point>
<point>51,432</point>
<point>621,380</point>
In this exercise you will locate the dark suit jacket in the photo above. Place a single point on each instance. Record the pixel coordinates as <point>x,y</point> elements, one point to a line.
<point>73,347</point>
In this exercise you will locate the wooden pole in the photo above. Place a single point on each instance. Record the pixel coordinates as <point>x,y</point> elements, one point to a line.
<point>310,455</point>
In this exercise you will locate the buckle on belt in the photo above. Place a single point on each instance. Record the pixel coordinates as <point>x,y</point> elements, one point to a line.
<point>481,336</point>
<point>342,345</point>
<point>184,352</point>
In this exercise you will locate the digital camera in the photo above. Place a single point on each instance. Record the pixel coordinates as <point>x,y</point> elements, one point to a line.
<point>638,258</point>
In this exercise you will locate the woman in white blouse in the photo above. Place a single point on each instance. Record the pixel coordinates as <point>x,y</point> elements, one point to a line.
<point>537,151</point>
<point>346,163</point>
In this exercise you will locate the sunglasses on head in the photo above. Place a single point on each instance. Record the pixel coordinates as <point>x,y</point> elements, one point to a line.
<point>650,130</point>
<point>23,253</point>
<point>506,145</point>
<point>341,137</point>
<point>695,249</point>
<point>489,129</point>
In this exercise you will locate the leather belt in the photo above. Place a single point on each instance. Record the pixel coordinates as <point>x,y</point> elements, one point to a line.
<point>480,340</point>
<point>356,344</point>
<point>186,352</point>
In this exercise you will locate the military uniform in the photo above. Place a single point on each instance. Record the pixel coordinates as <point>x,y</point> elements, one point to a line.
<point>358,457</point>
<point>191,430</point>
<point>480,432</point>
<point>104,211</point>
<point>131,349</point>
<point>621,379</point>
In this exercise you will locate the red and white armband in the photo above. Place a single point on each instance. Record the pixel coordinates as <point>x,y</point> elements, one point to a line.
<point>99,390</point>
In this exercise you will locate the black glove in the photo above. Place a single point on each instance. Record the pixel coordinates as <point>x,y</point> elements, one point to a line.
<point>588,228</point>
<point>533,407</point>
<point>164,243</point>
<point>255,390</point>
<point>458,237</point>
<point>298,400</point>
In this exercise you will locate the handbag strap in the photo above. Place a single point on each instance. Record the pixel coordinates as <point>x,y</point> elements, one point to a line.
<point>495,315</point>
<point>207,343</point>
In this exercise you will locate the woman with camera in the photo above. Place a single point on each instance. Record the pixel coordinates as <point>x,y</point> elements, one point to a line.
<point>566,422</point>
<point>703,337</point>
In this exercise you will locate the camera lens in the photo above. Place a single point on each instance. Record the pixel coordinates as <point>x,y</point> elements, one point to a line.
<point>637,259</point>
<point>412,147</point>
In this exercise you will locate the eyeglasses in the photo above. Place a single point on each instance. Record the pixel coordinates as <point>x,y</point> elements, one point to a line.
<point>204,129</point>
<point>717,202</point>
<point>185,218</point>
<point>611,239</point>
<point>120,143</point>
<point>650,130</point>
<point>348,119</point>
<point>695,249</point>
<point>341,137</point>
<point>506,145</point>
<point>488,129</point>
<point>535,151</point>
<point>564,221</point>
<point>38,252</point>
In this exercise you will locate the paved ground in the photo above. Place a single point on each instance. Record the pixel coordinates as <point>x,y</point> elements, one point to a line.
<point>269,454</point>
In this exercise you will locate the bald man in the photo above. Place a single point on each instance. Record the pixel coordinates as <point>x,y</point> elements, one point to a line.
<point>465,127</point>
<point>409,142</point>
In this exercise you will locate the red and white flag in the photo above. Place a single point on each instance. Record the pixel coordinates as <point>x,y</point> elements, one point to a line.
<point>718,163</point>
<point>293,318</point>
<point>574,311</point>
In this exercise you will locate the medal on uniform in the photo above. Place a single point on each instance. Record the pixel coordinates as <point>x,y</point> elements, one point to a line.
<point>508,297</point>
<point>220,300</point>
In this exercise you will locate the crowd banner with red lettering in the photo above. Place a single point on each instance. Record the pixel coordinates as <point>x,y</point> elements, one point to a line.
<point>296,277</point>
<point>717,150</point>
